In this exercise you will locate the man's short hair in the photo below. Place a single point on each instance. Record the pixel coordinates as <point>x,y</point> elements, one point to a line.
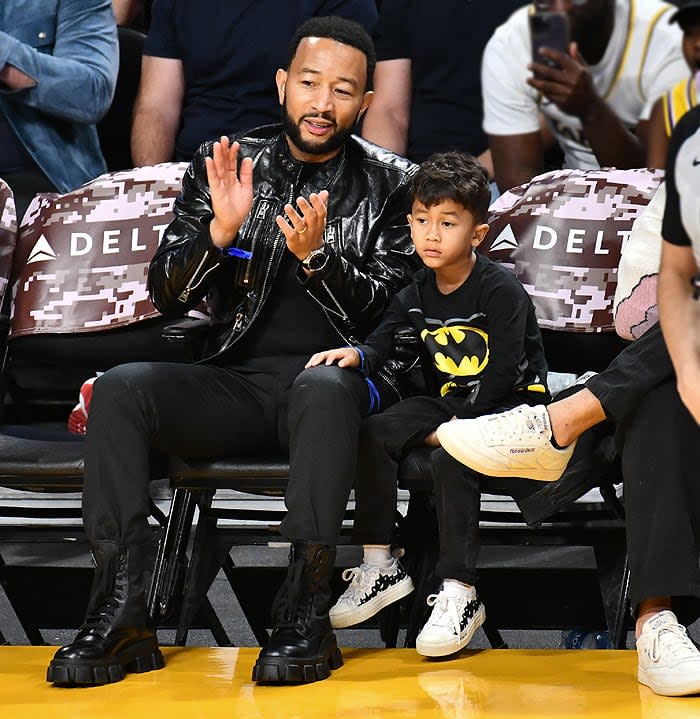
<point>342,30</point>
<point>454,176</point>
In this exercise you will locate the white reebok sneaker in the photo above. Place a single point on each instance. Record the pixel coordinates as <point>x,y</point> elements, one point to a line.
<point>455,617</point>
<point>371,589</point>
<point>668,661</point>
<point>515,443</point>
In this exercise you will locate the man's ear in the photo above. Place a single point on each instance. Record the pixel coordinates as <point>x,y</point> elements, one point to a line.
<point>281,80</point>
<point>366,102</point>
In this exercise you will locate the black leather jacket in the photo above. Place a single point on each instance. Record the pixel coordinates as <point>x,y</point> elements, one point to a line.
<point>367,237</point>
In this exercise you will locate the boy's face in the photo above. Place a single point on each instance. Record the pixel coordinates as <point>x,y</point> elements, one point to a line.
<point>444,234</point>
<point>691,43</point>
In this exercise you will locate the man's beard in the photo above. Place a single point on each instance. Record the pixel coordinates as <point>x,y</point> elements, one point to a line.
<point>330,144</point>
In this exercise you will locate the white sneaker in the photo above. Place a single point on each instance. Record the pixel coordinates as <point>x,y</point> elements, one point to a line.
<point>669,662</point>
<point>371,589</point>
<point>455,617</point>
<point>515,443</point>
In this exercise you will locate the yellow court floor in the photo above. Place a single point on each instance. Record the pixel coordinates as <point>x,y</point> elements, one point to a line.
<point>199,683</point>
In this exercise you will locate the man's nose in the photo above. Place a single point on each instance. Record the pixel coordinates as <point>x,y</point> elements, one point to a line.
<point>322,99</point>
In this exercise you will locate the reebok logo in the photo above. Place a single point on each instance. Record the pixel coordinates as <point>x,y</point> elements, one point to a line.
<point>524,450</point>
<point>41,251</point>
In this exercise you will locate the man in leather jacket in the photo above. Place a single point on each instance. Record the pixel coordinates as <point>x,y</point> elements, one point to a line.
<point>297,237</point>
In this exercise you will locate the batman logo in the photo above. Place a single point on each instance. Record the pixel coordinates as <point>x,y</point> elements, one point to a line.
<point>459,350</point>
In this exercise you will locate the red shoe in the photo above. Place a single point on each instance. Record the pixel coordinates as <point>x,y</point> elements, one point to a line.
<point>77,420</point>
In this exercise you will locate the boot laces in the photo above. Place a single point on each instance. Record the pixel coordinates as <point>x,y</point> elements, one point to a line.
<point>110,593</point>
<point>290,607</point>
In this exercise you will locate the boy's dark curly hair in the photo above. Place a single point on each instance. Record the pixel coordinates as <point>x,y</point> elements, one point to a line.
<point>454,176</point>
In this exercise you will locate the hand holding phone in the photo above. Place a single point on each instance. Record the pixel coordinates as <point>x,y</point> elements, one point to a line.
<point>549,29</point>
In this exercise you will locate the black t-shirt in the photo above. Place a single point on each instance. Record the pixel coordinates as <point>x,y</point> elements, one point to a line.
<point>230,51</point>
<point>444,41</point>
<point>681,224</point>
<point>482,339</point>
<point>291,323</point>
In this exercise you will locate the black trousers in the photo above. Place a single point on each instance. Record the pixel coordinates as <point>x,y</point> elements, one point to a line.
<point>659,443</point>
<point>661,466</point>
<point>384,440</point>
<point>200,411</point>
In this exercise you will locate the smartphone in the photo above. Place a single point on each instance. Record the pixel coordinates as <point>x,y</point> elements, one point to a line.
<point>549,29</point>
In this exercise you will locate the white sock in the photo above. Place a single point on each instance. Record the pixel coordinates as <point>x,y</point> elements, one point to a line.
<point>456,588</point>
<point>377,555</point>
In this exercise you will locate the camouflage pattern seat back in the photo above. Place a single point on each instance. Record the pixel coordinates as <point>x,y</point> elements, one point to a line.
<point>80,304</point>
<point>8,237</point>
<point>562,234</point>
<point>82,257</point>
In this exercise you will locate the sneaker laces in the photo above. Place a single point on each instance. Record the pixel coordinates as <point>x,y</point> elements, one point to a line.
<point>361,580</point>
<point>518,425</point>
<point>675,641</point>
<point>445,613</point>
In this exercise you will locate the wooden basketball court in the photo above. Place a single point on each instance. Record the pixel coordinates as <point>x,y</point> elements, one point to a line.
<point>199,683</point>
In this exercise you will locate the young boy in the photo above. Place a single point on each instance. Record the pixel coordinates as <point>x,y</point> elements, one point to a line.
<point>481,350</point>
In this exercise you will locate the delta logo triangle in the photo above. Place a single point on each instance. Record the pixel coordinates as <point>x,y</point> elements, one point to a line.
<point>505,240</point>
<point>41,251</point>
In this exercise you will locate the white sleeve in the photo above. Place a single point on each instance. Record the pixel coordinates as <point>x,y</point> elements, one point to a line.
<point>509,106</point>
<point>664,65</point>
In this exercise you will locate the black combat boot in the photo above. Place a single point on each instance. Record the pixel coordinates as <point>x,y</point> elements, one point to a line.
<point>302,647</point>
<point>116,636</point>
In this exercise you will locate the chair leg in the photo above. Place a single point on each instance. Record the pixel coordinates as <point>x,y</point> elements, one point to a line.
<point>493,635</point>
<point>209,551</point>
<point>618,631</point>
<point>259,630</point>
<point>171,558</point>
<point>613,576</point>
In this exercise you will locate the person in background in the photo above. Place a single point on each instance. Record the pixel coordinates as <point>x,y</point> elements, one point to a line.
<point>672,105</point>
<point>207,69</point>
<point>596,99</point>
<point>58,70</point>
<point>427,88</point>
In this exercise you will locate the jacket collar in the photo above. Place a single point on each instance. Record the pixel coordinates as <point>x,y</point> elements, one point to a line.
<point>323,173</point>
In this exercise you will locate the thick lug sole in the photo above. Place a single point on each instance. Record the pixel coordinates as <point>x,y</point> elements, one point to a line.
<point>340,620</point>
<point>136,658</point>
<point>434,650</point>
<point>298,670</point>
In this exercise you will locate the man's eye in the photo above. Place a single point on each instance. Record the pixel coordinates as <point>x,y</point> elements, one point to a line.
<point>448,224</point>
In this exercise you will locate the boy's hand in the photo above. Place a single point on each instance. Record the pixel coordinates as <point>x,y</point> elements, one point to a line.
<point>343,357</point>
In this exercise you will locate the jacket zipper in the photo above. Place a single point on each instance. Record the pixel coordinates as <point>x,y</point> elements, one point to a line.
<point>185,294</point>
<point>259,216</point>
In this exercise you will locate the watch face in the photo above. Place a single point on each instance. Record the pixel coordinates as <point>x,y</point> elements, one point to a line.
<point>317,260</point>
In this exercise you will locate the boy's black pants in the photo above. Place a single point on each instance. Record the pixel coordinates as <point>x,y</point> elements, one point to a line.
<point>384,440</point>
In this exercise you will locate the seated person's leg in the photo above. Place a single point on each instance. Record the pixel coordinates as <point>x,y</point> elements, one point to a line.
<point>326,406</point>
<point>457,610</point>
<point>661,455</point>
<point>191,410</point>
<point>537,442</point>
<point>384,440</point>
